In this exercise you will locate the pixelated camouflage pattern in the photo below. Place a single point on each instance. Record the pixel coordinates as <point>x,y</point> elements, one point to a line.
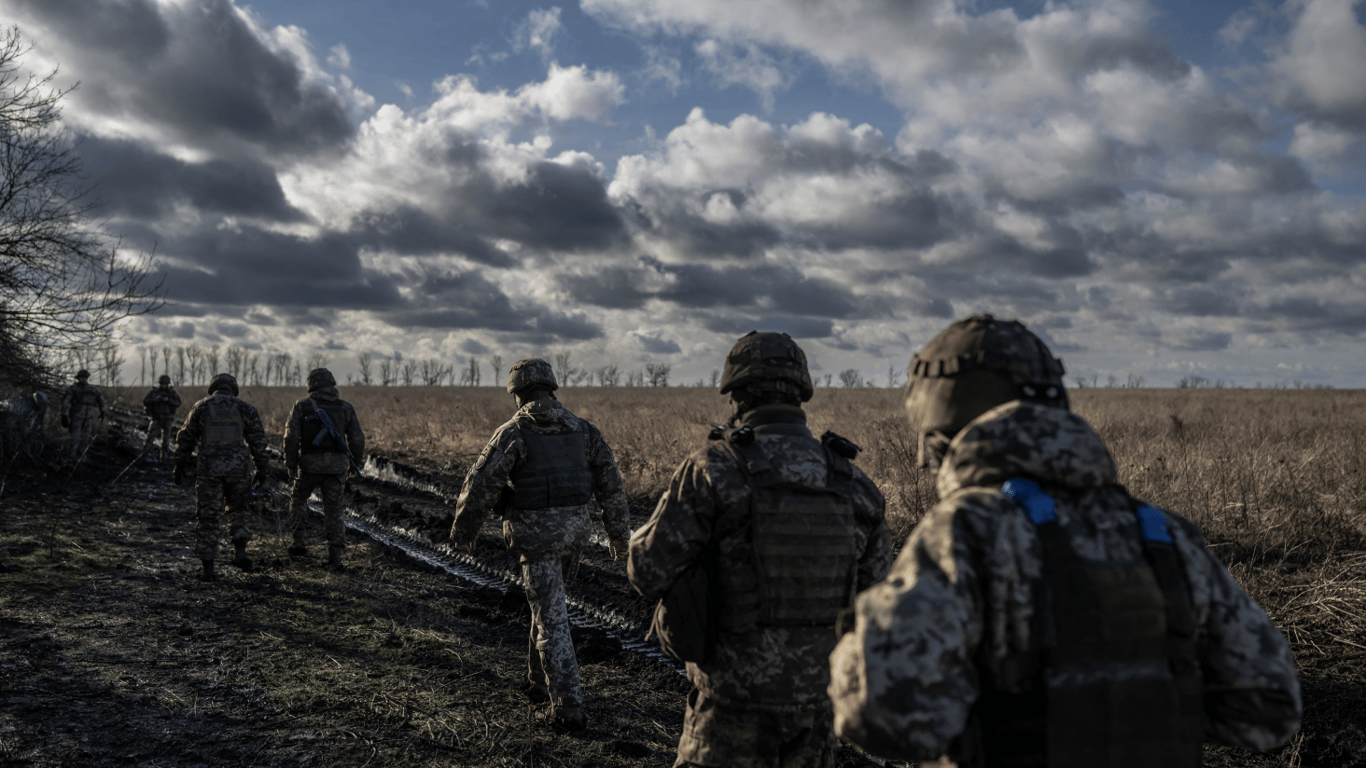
<point>540,533</point>
<point>767,357</point>
<point>551,661</point>
<point>958,604</point>
<point>222,460</point>
<point>83,404</point>
<point>160,430</point>
<point>211,495</point>
<point>770,666</point>
<point>331,487</point>
<point>327,462</point>
<point>532,370</point>
<point>21,421</point>
<point>716,735</point>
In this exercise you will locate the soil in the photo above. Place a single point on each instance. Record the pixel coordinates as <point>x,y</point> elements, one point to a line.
<point>113,653</point>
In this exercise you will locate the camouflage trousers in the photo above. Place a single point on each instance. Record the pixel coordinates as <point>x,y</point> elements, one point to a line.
<point>165,430</point>
<point>715,734</point>
<point>331,488</point>
<point>212,495</point>
<point>550,648</point>
<point>82,427</point>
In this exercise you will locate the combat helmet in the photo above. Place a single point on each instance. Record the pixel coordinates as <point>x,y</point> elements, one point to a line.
<point>767,357</point>
<point>531,372</point>
<point>971,367</point>
<point>82,374</point>
<point>223,381</point>
<point>319,378</point>
<point>164,379</point>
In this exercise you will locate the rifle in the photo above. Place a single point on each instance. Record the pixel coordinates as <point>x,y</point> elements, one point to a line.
<point>330,430</point>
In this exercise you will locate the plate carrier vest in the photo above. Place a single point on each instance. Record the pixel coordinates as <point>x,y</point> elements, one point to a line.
<point>555,473</point>
<point>802,565</point>
<point>1116,682</point>
<point>224,424</point>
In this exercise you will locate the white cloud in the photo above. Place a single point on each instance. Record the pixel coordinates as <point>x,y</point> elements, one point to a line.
<point>747,66</point>
<point>539,30</point>
<point>339,57</point>
<point>573,92</point>
<point>1323,61</point>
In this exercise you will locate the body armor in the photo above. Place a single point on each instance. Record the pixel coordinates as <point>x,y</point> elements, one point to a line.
<point>86,396</point>
<point>314,437</point>
<point>1116,681</point>
<point>224,424</point>
<point>555,473</point>
<point>803,557</point>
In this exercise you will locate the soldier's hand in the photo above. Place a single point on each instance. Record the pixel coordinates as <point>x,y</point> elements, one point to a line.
<point>178,474</point>
<point>618,548</point>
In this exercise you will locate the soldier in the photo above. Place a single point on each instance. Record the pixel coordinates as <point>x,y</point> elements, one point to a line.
<point>160,405</point>
<point>1039,615</point>
<point>79,404</point>
<point>21,421</point>
<point>323,444</point>
<point>540,471</point>
<point>788,530</point>
<point>230,438</point>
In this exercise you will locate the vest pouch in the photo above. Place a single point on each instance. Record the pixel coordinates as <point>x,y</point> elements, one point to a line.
<point>555,473</point>
<point>683,622</point>
<point>805,555</point>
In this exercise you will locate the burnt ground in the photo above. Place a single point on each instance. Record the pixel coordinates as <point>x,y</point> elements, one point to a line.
<point>113,653</point>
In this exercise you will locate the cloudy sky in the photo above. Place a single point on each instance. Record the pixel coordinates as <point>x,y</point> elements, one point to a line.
<point>1158,188</point>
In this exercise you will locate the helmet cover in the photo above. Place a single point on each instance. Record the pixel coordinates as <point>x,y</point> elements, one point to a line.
<point>973,366</point>
<point>767,356</point>
<point>164,379</point>
<point>319,378</point>
<point>82,374</point>
<point>530,372</point>
<point>223,381</point>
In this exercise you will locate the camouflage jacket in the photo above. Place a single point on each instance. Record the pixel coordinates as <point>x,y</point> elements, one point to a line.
<point>161,403</point>
<point>769,666</point>
<point>959,601</point>
<point>82,400</point>
<point>540,533</point>
<point>330,462</point>
<point>222,460</point>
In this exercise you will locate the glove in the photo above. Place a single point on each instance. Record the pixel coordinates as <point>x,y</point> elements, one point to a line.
<point>260,478</point>
<point>178,474</point>
<point>618,548</point>
<point>66,421</point>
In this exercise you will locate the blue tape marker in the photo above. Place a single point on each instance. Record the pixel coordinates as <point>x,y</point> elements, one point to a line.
<point>1037,504</point>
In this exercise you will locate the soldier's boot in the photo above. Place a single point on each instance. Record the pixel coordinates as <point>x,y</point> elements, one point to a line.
<point>565,719</point>
<point>239,556</point>
<point>207,573</point>
<point>297,549</point>
<point>334,558</point>
<point>537,693</point>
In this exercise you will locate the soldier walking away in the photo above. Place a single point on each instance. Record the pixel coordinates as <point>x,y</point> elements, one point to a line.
<point>160,405</point>
<point>323,444</point>
<point>1039,615</point>
<point>231,443</point>
<point>80,405</point>
<point>788,529</point>
<point>540,471</point>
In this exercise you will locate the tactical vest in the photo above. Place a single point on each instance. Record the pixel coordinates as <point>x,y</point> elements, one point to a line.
<point>1116,682</point>
<point>314,437</point>
<point>86,396</point>
<point>224,424</point>
<point>555,473</point>
<point>799,559</point>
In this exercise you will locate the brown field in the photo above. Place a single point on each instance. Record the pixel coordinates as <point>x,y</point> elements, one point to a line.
<point>1274,477</point>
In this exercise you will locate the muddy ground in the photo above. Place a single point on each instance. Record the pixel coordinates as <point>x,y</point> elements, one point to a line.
<point>113,653</point>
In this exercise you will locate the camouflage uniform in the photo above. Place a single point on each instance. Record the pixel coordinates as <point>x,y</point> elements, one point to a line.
<point>323,470</point>
<point>223,471</point>
<point>81,405</point>
<point>759,699</point>
<point>160,404</point>
<point>955,616</point>
<point>548,541</point>
<point>21,418</point>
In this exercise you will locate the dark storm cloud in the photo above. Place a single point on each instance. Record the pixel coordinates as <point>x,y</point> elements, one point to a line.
<point>270,256</point>
<point>655,344</point>
<point>558,207</point>
<point>784,289</point>
<point>1199,301</point>
<point>411,231</point>
<point>797,327</point>
<point>130,179</point>
<point>1197,340</point>
<point>469,301</point>
<point>196,68</point>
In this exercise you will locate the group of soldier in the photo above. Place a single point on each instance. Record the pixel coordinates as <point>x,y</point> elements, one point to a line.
<point>1038,615</point>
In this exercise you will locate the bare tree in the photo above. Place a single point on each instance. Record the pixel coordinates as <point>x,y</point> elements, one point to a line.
<point>196,356</point>
<point>386,372</point>
<point>609,376</point>
<point>1135,382</point>
<point>409,370</point>
<point>63,284</point>
<point>715,378</point>
<point>850,377</point>
<point>658,374</point>
<point>317,360</point>
<point>470,376</point>
<point>112,363</point>
<point>211,361</point>
<point>432,372</point>
<point>142,356</point>
<point>166,353</point>
<point>253,371</point>
<point>564,372</point>
<point>364,360</point>
<point>496,363</point>
<point>893,377</point>
<point>1111,381</point>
